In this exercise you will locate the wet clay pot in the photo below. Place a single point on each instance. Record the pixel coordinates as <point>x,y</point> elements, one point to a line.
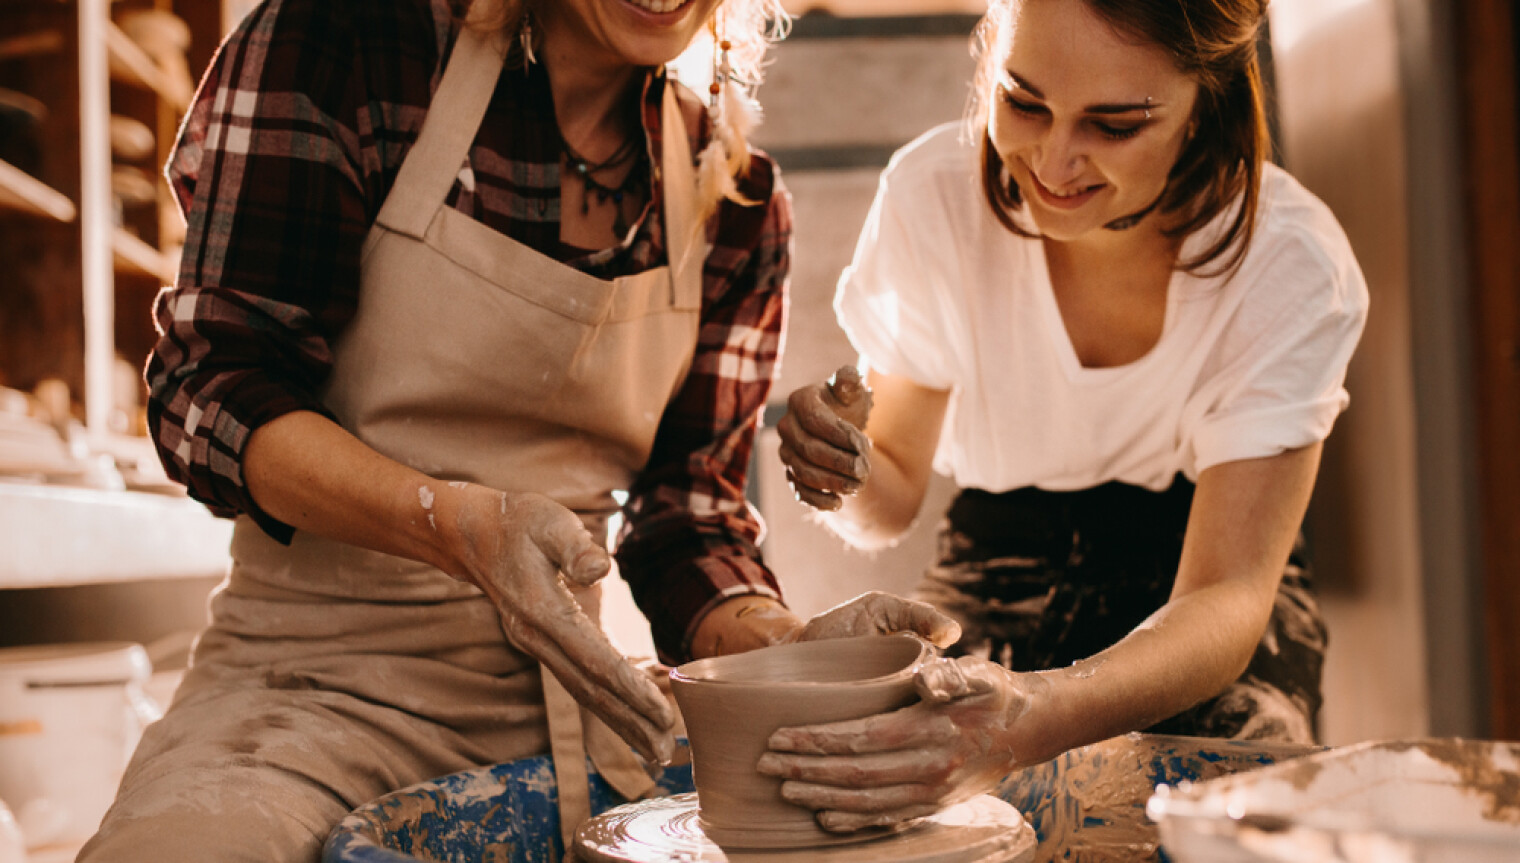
<point>732,705</point>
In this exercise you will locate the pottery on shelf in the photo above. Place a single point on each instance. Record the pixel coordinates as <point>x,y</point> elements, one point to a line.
<point>732,704</point>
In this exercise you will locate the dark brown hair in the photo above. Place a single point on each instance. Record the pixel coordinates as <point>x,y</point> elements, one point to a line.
<point>1214,43</point>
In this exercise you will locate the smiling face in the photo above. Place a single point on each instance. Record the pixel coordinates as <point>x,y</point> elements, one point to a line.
<point>1087,121</point>
<point>628,32</point>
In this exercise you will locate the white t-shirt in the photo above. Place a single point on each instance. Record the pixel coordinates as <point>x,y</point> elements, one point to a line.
<point>941,293</point>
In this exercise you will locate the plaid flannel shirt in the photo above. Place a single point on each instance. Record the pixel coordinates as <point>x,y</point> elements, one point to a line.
<point>296,135</point>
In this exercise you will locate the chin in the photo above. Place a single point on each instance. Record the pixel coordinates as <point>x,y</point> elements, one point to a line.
<point>1061,227</point>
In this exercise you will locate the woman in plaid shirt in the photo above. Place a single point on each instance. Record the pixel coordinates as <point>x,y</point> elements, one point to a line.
<point>453,277</point>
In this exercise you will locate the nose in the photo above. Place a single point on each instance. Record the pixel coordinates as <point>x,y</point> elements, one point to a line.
<point>1059,158</point>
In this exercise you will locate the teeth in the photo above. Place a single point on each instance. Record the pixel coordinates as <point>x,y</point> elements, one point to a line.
<point>658,5</point>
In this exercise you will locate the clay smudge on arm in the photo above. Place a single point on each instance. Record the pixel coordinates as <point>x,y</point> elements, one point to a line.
<point>425,496</point>
<point>1084,669</point>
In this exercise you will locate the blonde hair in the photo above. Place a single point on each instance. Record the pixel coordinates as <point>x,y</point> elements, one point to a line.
<point>749,26</point>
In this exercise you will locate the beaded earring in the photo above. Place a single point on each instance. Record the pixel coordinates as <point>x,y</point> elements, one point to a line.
<point>731,114</point>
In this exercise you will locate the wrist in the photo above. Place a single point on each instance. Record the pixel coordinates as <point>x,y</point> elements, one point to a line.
<point>456,521</point>
<point>1047,727</point>
<point>744,623</point>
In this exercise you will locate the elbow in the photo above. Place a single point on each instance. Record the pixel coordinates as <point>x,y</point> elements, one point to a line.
<point>864,532</point>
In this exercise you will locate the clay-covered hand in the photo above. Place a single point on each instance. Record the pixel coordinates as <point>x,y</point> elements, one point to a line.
<point>823,442</point>
<point>880,613</point>
<point>521,550</point>
<point>959,741</point>
<point>746,623</point>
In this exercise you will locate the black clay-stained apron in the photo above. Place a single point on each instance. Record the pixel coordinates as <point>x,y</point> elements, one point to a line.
<point>332,674</point>
<point>1041,579</point>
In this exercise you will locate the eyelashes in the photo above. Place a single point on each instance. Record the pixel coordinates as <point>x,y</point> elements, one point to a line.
<point>1034,109</point>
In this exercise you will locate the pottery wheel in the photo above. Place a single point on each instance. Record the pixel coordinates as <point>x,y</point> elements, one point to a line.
<point>666,830</point>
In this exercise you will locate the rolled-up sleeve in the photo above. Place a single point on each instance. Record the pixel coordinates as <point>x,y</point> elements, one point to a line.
<point>691,539</point>
<point>269,171</point>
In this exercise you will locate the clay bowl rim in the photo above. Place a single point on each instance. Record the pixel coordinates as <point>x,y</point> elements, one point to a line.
<point>926,651</point>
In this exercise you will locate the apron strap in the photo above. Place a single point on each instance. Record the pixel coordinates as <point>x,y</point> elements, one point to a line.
<point>448,130</point>
<point>575,733</point>
<point>685,240</point>
<point>569,753</point>
<point>614,759</point>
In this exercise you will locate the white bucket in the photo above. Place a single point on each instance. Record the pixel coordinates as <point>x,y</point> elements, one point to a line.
<point>70,716</point>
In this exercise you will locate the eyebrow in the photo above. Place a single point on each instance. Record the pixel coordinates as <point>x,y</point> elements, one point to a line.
<point>1105,108</point>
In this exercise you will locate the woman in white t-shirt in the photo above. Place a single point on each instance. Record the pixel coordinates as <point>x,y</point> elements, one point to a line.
<point>1125,335</point>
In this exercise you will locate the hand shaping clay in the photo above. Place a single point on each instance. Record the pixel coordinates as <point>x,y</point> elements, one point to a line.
<point>732,704</point>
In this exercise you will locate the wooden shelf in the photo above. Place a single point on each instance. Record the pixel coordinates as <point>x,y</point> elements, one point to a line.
<point>132,255</point>
<point>21,191</point>
<point>56,536</point>
<point>49,41</point>
<point>131,65</point>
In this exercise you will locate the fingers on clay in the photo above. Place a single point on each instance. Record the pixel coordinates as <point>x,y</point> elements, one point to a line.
<point>872,770</point>
<point>877,800</point>
<point>835,821</point>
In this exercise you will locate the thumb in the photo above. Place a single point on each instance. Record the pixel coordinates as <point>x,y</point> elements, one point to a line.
<point>941,680</point>
<point>851,396</point>
<point>927,622</point>
<point>568,545</point>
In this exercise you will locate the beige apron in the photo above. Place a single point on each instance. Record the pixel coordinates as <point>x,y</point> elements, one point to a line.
<point>472,358</point>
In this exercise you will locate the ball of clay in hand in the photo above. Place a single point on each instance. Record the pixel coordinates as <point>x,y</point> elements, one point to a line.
<point>850,397</point>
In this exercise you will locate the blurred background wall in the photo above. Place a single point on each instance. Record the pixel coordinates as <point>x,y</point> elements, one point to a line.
<point>1369,115</point>
<point>1400,114</point>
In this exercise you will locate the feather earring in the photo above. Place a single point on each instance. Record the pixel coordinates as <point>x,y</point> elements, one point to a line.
<point>732,115</point>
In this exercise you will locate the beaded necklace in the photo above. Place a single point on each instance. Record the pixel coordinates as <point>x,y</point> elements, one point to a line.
<point>633,182</point>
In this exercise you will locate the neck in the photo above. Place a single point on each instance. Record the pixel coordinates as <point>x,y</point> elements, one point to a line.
<point>589,90</point>
<point>1144,244</point>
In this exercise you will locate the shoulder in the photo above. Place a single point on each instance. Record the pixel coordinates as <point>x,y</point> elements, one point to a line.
<point>393,30</point>
<point>1301,249</point>
<point>932,184</point>
<point>938,158</point>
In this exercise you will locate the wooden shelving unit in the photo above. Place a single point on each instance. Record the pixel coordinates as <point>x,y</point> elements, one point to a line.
<point>131,65</point>
<point>113,74</point>
<point>21,191</point>
<point>64,518</point>
<point>94,536</point>
<point>131,255</point>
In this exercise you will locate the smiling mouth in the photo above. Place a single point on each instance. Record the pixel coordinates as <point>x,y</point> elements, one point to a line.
<point>659,6</point>
<point>1067,200</point>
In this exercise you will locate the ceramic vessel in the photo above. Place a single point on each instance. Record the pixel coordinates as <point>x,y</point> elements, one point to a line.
<point>732,705</point>
<point>70,716</point>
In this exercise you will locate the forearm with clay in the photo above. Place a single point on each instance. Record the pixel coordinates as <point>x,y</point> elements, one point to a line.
<point>884,509</point>
<point>312,474</point>
<point>976,721</point>
<point>749,622</point>
<point>867,489</point>
<point>520,549</point>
